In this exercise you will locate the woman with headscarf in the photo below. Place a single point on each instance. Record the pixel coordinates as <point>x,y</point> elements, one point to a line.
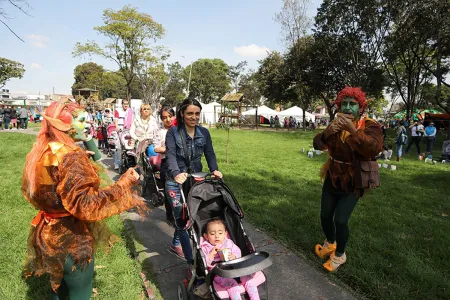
<point>60,181</point>
<point>352,141</point>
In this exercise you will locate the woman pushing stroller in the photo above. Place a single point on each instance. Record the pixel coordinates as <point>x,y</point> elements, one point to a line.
<point>185,145</point>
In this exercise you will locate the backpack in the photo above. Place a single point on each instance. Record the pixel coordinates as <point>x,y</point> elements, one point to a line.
<point>402,138</point>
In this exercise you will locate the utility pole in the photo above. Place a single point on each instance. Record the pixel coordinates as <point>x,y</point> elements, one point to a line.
<point>190,74</point>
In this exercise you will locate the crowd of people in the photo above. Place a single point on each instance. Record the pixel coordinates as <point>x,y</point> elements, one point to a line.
<point>13,118</point>
<point>409,133</point>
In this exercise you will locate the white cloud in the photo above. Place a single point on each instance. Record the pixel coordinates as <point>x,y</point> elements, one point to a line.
<point>39,41</point>
<point>252,50</point>
<point>36,66</point>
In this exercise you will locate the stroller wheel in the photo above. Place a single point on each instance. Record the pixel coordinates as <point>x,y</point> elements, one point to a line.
<point>182,291</point>
<point>154,200</point>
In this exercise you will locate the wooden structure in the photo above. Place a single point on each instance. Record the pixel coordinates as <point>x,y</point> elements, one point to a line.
<point>88,97</point>
<point>230,101</point>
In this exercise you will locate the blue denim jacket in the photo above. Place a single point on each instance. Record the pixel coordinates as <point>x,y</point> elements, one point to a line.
<point>202,143</point>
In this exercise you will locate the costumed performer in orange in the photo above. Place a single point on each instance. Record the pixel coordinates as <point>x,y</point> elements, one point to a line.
<point>61,182</point>
<point>353,142</point>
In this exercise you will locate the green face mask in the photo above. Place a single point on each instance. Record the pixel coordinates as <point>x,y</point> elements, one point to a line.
<point>350,106</point>
<point>78,126</point>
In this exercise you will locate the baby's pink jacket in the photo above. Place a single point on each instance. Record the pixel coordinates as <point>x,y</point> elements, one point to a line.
<point>207,248</point>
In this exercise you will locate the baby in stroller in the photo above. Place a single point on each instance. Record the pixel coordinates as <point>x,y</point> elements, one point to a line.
<point>217,247</point>
<point>226,263</point>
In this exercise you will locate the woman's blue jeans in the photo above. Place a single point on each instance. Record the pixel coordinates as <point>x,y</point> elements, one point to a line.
<point>399,150</point>
<point>180,235</point>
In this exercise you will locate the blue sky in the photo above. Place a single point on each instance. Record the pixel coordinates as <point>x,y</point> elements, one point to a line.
<point>233,30</point>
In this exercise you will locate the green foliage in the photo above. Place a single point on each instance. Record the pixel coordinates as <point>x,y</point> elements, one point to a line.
<point>10,69</point>
<point>173,90</point>
<point>250,88</point>
<point>130,34</point>
<point>271,78</point>
<point>236,74</point>
<point>209,79</point>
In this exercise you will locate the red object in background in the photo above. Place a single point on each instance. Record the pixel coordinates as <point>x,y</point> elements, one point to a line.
<point>174,122</point>
<point>100,134</point>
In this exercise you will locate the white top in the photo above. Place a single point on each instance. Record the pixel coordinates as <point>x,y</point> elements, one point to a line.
<point>416,129</point>
<point>162,134</point>
<point>143,130</point>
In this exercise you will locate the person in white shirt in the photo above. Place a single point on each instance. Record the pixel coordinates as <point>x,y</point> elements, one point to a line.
<point>145,130</point>
<point>123,117</point>
<point>417,131</point>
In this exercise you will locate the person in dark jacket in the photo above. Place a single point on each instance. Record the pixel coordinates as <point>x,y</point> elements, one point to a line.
<point>7,116</point>
<point>185,145</point>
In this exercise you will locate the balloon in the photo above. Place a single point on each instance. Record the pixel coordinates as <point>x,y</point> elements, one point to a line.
<point>151,151</point>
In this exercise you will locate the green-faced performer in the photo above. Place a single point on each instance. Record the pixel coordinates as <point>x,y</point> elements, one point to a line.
<point>352,142</point>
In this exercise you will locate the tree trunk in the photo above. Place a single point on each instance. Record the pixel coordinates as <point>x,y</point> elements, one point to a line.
<point>228,141</point>
<point>304,122</point>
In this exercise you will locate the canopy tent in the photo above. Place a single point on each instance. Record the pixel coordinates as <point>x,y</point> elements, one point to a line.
<point>297,112</point>
<point>263,111</point>
<point>210,113</point>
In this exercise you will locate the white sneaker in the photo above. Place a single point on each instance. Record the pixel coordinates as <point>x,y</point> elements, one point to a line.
<point>116,167</point>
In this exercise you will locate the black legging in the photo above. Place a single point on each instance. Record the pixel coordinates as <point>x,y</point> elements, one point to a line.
<point>335,210</point>
<point>416,141</point>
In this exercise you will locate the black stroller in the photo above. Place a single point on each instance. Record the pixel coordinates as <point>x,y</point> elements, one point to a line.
<point>210,199</point>
<point>152,183</point>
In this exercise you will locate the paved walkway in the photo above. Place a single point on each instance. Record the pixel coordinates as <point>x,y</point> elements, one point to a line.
<point>289,277</point>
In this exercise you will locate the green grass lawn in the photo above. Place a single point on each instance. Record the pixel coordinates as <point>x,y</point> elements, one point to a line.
<point>399,246</point>
<point>116,274</point>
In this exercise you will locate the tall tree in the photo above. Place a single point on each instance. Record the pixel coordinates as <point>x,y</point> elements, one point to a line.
<point>271,78</point>
<point>209,79</point>
<point>346,48</point>
<point>294,25</point>
<point>130,34</point>
<point>152,77</point>
<point>428,22</point>
<point>173,91</point>
<point>10,69</point>
<point>249,87</point>
<point>236,73</point>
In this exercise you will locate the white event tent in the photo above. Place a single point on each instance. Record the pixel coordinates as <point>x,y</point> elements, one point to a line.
<point>210,113</point>
<point>263,110</point>
<point>297,113</point>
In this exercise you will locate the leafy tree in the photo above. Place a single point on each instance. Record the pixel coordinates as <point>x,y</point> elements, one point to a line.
<point>236,73</point>
<point>10,69</point>
<point>271,78</point>
<point>152,77</point>
<point>428,22</point>
<point>174,87</point>
<point>130,33</point>
<point>87,75</point>
<point>250,88</point>
<point>209,79</point>
<point>346,48</point>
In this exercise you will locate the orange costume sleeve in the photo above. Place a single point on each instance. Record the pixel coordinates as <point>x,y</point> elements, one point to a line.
<point>81,195</point>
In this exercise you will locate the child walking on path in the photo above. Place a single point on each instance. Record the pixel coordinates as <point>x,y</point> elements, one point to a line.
<point>213,242</point>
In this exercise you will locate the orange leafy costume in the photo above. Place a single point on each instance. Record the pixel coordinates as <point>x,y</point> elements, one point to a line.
<point>61,182</point>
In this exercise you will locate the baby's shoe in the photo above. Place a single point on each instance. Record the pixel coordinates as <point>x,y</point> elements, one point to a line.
<point>325,250</point>
<point>334,262</point>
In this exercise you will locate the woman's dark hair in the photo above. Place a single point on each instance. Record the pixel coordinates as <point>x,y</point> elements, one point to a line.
<point>182,107</point>
<point>167,109</point>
